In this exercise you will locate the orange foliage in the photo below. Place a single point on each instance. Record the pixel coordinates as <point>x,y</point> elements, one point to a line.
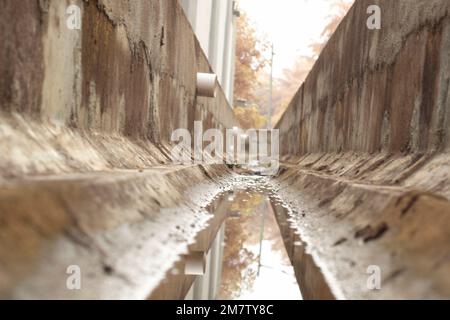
<point>250,117</point>
<point>249,58</point>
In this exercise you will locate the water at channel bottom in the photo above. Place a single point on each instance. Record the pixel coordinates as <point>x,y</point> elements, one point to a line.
<point>255,264</point>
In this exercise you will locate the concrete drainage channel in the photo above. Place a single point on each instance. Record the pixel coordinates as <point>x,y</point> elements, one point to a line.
<point>247,251</point>
<point>332,232</point>
<point>339,247</point>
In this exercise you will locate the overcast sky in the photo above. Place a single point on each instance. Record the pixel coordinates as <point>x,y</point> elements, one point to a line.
<point>292,25</point>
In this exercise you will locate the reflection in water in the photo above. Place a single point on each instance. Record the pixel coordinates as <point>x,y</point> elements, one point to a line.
<point>255,263</point>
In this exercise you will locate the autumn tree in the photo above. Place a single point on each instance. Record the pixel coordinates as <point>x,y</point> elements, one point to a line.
<point>250,61</point>
<point>249,58</point>
<point>250,117</point>
<point>252,78</point>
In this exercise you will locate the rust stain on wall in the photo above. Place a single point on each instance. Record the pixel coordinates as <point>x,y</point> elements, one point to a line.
<point>22,27</point>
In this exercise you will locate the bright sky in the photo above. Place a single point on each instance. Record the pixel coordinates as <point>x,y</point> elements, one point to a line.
<point>291,25</point>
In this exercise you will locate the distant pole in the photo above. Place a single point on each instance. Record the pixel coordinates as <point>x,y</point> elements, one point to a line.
<point>263,209</point>
<point>269,122</point>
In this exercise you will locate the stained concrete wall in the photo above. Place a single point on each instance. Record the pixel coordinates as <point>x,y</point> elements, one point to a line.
<point>128,76</point>
<point>365,143</point>
<point>377,90</point>
<point>85,121</point>
<point>377,102</point>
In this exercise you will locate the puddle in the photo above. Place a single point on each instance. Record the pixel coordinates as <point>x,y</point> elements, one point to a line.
<point>243,250</point>
<point>255,264</point>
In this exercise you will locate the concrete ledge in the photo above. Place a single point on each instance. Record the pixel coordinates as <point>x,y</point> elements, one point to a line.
<point>346,227</point>
<point>124,230</point>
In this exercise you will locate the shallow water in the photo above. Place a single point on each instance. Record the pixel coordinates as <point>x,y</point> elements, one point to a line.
<point>255,264</point>
<point>244,253</point>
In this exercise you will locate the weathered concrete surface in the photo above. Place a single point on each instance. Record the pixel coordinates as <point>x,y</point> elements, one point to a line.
<point>85,122</point>
<point>177,283</point>
<point>366,144</point>
<point>126,79</point>
<point>123,229</point>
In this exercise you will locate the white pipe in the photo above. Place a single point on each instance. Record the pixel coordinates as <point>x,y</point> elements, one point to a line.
<point>206,85</point>
<point>195,264</point>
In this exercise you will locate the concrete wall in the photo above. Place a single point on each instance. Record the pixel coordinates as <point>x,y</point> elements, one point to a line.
<point>86,117</point>
<point>365,143</point>
<point>377,90</point>
<point>128,76</point>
